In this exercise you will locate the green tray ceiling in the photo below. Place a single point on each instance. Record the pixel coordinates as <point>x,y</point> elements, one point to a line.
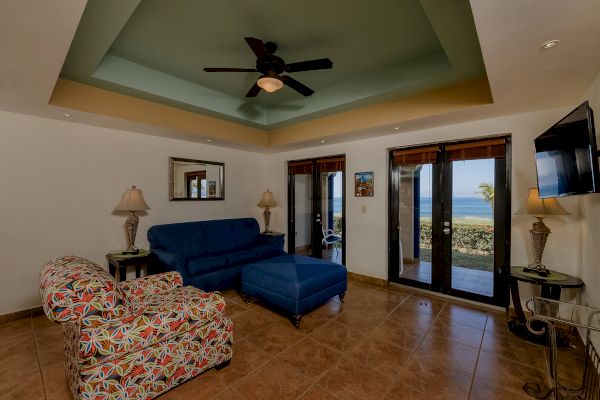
<point>156,50</point>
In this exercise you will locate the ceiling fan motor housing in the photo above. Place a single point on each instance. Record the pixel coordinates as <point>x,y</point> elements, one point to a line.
<point>270,65</point>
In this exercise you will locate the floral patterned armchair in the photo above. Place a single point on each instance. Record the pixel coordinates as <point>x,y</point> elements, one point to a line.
<point>136,339</point>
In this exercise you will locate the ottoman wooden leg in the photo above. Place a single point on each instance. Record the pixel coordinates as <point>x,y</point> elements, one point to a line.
<point>296,321</point>
<point>341,296</point>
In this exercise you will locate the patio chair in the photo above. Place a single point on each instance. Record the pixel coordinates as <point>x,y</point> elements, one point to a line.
<point>330,237</point>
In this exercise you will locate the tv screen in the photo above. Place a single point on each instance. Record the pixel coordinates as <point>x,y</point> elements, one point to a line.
<point>566,156</point>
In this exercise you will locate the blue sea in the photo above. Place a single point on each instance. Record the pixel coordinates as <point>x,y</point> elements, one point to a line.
<point>473,207</point>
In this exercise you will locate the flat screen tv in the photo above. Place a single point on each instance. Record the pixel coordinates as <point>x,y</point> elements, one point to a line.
<point>566,156</point>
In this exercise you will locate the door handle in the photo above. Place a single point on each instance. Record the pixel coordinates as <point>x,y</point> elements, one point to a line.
<point>446,231</point>
<point>317,220</point>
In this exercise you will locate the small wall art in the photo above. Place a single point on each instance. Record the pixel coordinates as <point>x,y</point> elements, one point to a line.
<point>364,184</point>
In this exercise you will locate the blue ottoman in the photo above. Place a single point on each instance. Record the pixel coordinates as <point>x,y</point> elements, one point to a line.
<point>294,284</point>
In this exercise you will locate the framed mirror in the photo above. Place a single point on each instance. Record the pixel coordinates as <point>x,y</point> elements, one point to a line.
<point>196,179</point>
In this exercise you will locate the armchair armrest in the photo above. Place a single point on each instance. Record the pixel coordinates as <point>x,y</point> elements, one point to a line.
<point>135,290</point>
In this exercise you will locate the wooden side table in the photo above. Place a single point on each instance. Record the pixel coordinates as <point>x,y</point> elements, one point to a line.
<point>122,261</point>
<point>275,234</point>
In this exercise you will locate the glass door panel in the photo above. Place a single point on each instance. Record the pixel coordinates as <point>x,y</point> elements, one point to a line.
<point>414,216</point>
<point>332,241</point>
<point>472,226</point>
<point>303,202</point>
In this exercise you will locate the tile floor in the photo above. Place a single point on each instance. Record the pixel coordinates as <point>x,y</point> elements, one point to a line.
<point>466,279</point>
<point>379,344</point>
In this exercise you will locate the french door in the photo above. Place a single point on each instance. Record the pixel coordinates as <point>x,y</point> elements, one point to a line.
<point>449,226</point>
<point>316,208</point>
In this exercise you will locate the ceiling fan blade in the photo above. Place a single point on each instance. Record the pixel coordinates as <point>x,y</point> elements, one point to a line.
<point>230,70</point>
<point>254,90</point>
<point>257,46</point>
<point>297,86</point>
<point>322,63</point>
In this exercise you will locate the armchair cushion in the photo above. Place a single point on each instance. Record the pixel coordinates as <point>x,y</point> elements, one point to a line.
<point>155,318</point>
<point>137,290</point>
<point>73,288</point>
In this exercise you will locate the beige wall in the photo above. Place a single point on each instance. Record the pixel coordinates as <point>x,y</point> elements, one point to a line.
<point>60,181</point>
<point>366,233</point>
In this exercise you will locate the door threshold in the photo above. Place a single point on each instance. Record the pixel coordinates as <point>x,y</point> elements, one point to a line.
<point>447,296</point>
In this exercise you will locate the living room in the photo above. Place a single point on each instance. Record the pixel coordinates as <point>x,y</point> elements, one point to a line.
<point>71,145</point>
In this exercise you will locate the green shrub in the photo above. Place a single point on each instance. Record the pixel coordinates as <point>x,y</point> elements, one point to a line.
<point>466,238</point>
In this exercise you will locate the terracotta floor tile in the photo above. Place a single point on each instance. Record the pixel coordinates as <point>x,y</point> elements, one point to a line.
<point>507,374</point>
<point>359,317</point>
<point>436,351</point>
<point>436,379</point>
<point>338,336</point>
<point>275,380</point>
<point>317,393</point>
<point>459,333</point>
<point>229,395</point>
<point>275,337</point>
<point>497,323</point>
<point>406,391</point>
<point>205,386</point>
<point>352,380</point>
<point>319,317</point>
<point>464,315</point>
<point>412,320</point>
<point>246,358</point>
<point>569,366</point>
<point>423,304</point>
<point>249,323</point>
<point>382,356</point>
<point>398,333</point>
<point>514,348</point>
<point>310,358</point>
<point>484,391</point>
<point>234,308</point>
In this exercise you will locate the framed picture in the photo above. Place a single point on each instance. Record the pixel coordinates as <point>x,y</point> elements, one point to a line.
<point>363,184</point>
<point>212,188</point>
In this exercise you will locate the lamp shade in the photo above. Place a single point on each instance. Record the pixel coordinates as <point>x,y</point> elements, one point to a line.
<point>132,200</point>
<point>269,84</point>
<point>540,207</point>
<point>267,200</point>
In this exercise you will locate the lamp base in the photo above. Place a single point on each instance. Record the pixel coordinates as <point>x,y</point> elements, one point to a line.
<point>267,216</point>
<point>131,225</point>
<point>541,270</point>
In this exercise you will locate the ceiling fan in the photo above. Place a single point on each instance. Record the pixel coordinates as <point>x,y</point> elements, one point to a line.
<point>271,67</point>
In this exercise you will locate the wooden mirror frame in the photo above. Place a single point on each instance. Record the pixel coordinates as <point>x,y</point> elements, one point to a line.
<point>172,197</point>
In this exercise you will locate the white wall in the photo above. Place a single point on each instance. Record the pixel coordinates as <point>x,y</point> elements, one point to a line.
<point>590,223</point>
<point>366,233</point>
<point>60,181</point>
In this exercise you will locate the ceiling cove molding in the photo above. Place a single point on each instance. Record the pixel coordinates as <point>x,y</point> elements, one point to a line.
<point>78,96</point>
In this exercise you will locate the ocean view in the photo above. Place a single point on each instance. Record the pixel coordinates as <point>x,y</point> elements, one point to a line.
<point>473,207</point>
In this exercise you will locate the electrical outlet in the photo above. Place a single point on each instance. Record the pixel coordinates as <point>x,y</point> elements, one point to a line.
<point>364,209</point>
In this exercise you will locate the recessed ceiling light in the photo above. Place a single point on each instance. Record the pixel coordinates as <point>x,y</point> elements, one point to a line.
<point>323,141</point>
<point>396,128</point>
<point>67,115</point>
<point>550,44</point>
<point>209,140</point>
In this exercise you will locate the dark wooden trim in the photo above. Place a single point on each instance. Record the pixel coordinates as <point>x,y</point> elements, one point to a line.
<point>291,237</point>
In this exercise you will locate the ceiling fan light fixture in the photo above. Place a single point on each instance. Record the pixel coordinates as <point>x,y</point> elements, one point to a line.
<point>269,84</point>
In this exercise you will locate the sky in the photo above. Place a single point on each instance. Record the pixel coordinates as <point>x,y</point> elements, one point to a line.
<point>467,175</point>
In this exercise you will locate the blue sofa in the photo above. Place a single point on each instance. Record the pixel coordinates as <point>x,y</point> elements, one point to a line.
<point>211,254</point>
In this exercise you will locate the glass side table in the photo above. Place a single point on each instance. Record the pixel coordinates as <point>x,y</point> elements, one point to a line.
<point>546,313</point>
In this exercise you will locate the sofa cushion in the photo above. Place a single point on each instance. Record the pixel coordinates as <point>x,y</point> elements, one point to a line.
<point>202,265</point>
<point>218,235</point>
<point>186,239</point>
<point>240,257</point>
<point>246,231</point>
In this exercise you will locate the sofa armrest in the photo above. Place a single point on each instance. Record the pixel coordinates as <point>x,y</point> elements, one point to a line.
<point>135,290</point>
<point>271,240</point>
<point>172,261</point>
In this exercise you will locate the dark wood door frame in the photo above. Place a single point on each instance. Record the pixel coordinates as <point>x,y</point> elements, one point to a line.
<point>441,253</point>
<point>316,215</point>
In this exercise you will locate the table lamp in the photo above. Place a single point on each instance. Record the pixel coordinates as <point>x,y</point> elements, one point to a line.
<point>539,208</point>
<point>267,201</point>
<point>132,201</point>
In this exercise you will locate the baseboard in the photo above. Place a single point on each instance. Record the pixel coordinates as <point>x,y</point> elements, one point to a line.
<point>17,315</point>
<point>367,279</point>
